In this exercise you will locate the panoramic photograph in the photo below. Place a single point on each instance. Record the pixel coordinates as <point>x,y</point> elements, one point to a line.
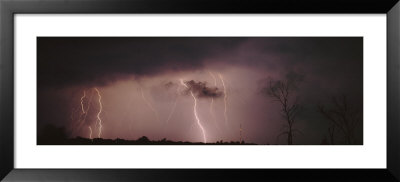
<point>199,91</point>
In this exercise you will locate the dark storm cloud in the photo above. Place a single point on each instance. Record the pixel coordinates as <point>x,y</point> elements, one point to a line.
<point>169,84</point>
<point>96,61</point>
<point>65,61</point>
<point>202,91</point>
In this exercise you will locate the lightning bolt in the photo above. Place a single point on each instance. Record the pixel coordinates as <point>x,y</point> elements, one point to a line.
<point>225,98</point>
<point>195,112</point>
<point>87,110</point>
<point>149,105</point>
<point>90,132</point>
<point>212,101</point>
<point>82,117</point>
<point>84,95</point>
<point>82,108</point>
<point>81,121</point>
<point>98,114</point>
<point>173,107</point>
<point>172,111</point>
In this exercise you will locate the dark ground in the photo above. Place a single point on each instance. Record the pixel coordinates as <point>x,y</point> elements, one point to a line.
<point>51,135</point>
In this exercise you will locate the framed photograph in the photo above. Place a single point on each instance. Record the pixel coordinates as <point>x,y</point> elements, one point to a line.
<point>127,90</point>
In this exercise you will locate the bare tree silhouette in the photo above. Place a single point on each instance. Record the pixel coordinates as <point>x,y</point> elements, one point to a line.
<point>343,116</point>
<point>283,91</point>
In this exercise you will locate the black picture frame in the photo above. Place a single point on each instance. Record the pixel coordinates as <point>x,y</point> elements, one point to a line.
<point>10,7</point>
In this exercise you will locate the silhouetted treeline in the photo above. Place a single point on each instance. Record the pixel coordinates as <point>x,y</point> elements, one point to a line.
<point>141,141</point>
<point>51,135</point>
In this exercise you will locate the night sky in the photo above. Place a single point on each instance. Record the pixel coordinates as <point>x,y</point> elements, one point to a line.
<point>128,87</point>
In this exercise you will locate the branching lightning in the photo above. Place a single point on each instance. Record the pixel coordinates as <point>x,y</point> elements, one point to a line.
<point>98,114</point>
<point>149,105</point>
<point>225,98</point>
<point>85,104</point>
<point>195,112</point>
